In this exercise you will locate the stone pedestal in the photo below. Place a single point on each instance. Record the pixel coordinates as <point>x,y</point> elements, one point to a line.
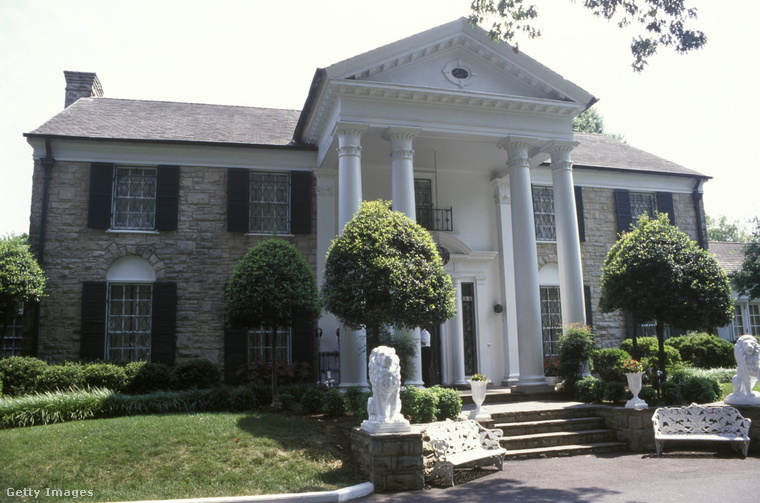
<point>391,461</point>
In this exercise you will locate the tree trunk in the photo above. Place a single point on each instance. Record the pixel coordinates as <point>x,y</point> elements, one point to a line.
<point>273,349</point>
<point>634,340</point>
<point>660,328</point>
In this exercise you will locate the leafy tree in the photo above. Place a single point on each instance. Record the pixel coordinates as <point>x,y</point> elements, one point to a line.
<point>271,287</point>
<point>21,278</point>
<point>747,279</point>
<point>664,23</point>
<point>385,270</point>
<point>656,272</point>
<point>590,121</point>
<point>720,229</point>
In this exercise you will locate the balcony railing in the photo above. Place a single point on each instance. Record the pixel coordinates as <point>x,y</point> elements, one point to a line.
<point>435,219</point>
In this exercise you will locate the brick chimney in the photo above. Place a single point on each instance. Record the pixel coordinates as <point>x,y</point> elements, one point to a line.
<point>81,85</point>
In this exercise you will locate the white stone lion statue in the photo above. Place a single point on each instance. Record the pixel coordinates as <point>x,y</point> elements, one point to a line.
<point>747,352</point>
<point>384,407</point>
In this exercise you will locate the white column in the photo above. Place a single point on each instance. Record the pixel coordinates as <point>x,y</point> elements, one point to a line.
<point>326,232</point>
<point>526,268</point>
<point>353,344</point>
<point>349,171</point>
<point>457,336</point>
<point>402,163</point>
<point>568,240</point>
<point>507,280</point>
<point>402,194</point>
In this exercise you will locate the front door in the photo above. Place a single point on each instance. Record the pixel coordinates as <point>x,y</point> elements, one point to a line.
<point>470,327</point>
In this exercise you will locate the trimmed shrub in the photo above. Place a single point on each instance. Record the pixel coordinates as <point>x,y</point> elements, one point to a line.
<point>647,346</point>
<point>263,393</point>
<point>589,390</point>
<point>61,377</point>
<point>195,373</point>
<point>449,403</point>
<point>357,401</point>
<point>701,390</point>
<point>145,377</point>
<point>313,401</point>
<point>287,400</point>
<point>242,398</point>
<point>260,372</point>
<point>614,391</point>
<point>704,350</point>
<point>335,403</point>
<point>671,393</point>
<point>720,375</point>
<point>420,405</point>
<point>648,394</point>
<point>105,375</point>
<point>19,374</point>
<point>607,363</point>
<point>574,350</point>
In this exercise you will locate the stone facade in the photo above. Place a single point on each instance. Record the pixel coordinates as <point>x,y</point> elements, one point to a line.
<point>601,230</point>
<point>199,257</point>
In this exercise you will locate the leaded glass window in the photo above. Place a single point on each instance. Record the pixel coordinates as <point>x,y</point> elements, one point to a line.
<point>543,213</point>
<point>737,327</point>
<point>642,204</point>
<point>270,203</point>
<point>129,326</point>
<point>551,318</point>
<point>754,319</point>
<point>11,345</point>
<point>423,200</point>
<point>134,198</point>
<point>260,345</point>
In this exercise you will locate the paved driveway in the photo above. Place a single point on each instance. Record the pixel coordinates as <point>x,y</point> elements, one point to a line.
<point>707,476</point>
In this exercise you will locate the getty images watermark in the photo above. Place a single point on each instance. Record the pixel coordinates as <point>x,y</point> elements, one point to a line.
<point>48,492</point>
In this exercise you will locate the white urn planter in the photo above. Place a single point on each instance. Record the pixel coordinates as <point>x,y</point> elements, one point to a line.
<point>478,397</point>
<point>634,384</point>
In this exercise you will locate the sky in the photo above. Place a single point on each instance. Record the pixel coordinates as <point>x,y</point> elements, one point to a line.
<point>699,110</point>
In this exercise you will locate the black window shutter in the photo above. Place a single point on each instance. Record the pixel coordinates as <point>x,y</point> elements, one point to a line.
<point>92,345</point>
<point>238,189</point>
<point>167,198</point>
<point>235,353</point>
<point>300,202</point>
<point>163,337</point>
<point>101,187</point>
<point>623,204</point>
<point>302,341</point>
<point>587,300</point>
<point>579,210</point>
<point>665,205</point>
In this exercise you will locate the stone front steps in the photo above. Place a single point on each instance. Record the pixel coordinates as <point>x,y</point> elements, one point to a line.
<point>555,432</point>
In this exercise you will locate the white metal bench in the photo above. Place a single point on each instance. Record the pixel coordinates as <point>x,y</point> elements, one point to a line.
<point>697,422</point>
<point>459,444</point>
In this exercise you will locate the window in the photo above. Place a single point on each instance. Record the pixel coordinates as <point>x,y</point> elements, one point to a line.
<point>129,322</point>
<point>423,200</point>
<point>754,319</point>
<point>642,204</point>
<point>133,198</point>
<point>269,203</point>
<point>260,346</point>
<point>551,318</point>
<point>543,213</point>
<point>12,341</point>
<point>737,327</point>
<point>130,316</point>
<point>262,202</point>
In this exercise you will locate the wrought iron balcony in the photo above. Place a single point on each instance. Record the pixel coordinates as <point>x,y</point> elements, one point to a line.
<point>435,219</point>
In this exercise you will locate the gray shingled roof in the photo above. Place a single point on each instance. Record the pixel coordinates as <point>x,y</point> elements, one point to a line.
<point>108,118</point>
<point>729,255</point>
<point>600,151</point>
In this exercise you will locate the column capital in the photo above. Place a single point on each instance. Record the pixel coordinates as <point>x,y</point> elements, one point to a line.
<point>400,133</point>
<point>349,129</point>
<point>511,143</point>
<point>501,190</point>
<point>560,154</point>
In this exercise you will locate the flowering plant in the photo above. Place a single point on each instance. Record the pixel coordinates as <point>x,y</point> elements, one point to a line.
<point>630,366</point>
<point>551,365</point>
<point>479,377</point>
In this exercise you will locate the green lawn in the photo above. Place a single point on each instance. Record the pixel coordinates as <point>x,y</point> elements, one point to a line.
<point>174,456</point>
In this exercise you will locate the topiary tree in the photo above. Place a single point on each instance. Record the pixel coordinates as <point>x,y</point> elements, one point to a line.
<point>656,272</point>
<point>271,287</point>
<point>21,279</point>
<point>385,270</point>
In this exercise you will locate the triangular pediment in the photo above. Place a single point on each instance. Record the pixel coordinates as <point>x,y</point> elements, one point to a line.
<point>459,57</point>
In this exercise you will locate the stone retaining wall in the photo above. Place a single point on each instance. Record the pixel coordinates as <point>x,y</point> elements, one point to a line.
<point>391,461</point>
